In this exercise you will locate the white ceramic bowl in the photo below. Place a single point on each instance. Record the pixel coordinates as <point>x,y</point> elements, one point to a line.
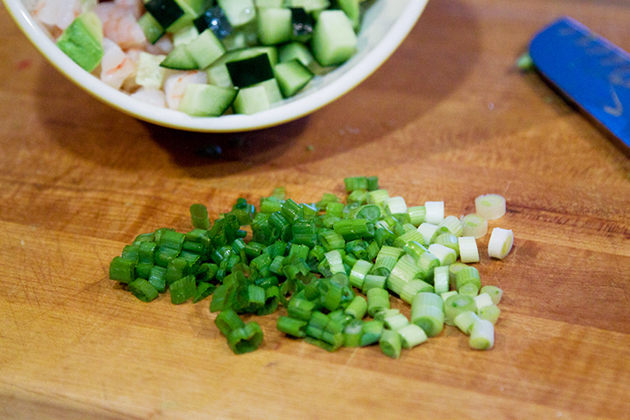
<point>385,25</point>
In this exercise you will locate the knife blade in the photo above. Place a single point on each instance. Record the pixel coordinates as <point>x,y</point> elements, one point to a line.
<point>589,70</point>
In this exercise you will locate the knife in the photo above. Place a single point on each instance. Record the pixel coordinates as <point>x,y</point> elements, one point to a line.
<point>589,70</point>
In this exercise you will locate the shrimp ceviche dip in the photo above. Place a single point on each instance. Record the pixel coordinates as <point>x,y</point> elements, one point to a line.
<point>204,57</point>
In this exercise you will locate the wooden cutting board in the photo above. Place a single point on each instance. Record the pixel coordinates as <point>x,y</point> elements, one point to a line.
<point>446,118</point>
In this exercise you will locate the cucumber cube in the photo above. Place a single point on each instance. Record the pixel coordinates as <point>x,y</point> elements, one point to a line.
<point>292,76</point>
<point>206,100</point>
<point>334,40</point>
<point>82,41</point>
<point>274,25</point>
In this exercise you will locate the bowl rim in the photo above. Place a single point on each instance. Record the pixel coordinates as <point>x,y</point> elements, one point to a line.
<point>228,123</point>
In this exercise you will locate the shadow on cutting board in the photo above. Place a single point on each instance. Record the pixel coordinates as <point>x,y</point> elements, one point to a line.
<point>398,93</point>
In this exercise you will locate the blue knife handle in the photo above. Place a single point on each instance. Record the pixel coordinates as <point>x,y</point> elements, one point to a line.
<point>590,70</point>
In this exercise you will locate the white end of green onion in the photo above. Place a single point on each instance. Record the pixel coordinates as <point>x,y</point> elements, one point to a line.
<point>494,292</point>
<point>335,261</point>
<point>440,280</point>
<point>490,313</point>
<point>396,322</point>
<point>386,313</point>
<point>490,206</point>
<point>435,212</point>
<point>474,225</point>
<point>482,300</point>
<point>395,205</point>
<point>446,255</point>
<point>500,243</point>
<point>429,232</point>
<point>468,251</point>
<point>453,224</point>
<point>412,335</point>
<point>465,321</point>
<point>482,335</point>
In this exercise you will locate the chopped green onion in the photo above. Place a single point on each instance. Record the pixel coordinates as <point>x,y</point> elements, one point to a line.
<point>199,216</point>
<point>143,290</point>
<point>440,279</point>
<point>143,270</point>
<point>352,333</point>
<point>446,255</point>
<point>448,240</point>
<point>453,269</point>
<point>411,336</point>
<point>203,291</point>
<point>157,278</point>
<point>357,308</point>
<point>356,183</point>
<point>500,243</point>
<point>490,206</point>
<point>122,270</point>
<point>371,212</point>
<point>481,301</point>
<point>429,232</point>
<point>435,212</point>
<point>396,322</point>
<point>352,229</point>
<point>377,196</point>
<point>467,274</point>
<point>447,295</point>
<point>410,289</point>
<point>494,292</point>
<point>372,331</point>
<point>358,273</point>
<point>468,252</point>
<point>417,215</point>
<point>408,236</point>
<point>378,299</point>
<point>395,205</point>
<point>183,289</point>
<point>470,289</point>
<point>482,335</point>
<point>291,326</point>
<point>390,344</point>
<point>453,225</point>
<point>427,312</point>
<point>465,320</point>
<point>372,281</point>
<point>300,308</point>
<point>457,304</point>
<point>490,313</point>
<point>246,339</point>
<point>474,225</point>
<point>403,272</point>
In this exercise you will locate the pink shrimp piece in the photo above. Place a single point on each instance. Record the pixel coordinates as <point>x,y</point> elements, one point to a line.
<point>174,85</point>
<point>151,96</point>
<point>116,66</point>
<point>120,25</point>
<point>57,13</point>
<point>134,6</point>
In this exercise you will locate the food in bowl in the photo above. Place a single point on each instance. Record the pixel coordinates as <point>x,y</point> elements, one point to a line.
<point>202,58</point>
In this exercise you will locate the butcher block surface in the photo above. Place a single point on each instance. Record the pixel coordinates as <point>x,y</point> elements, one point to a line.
<point>448,117</point>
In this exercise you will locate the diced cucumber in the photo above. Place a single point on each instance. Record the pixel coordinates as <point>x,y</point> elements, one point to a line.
<point>205,49</point>
<point>165,12</point>
<point>82,41</point>
<point>352,9</point>
<point>151,27</point>
<point>274,25</point>
<point>291,76</point>
<point>334,40</point>
<point>206,100</point>
<point>149,73</point>
<point>251,100</point>
<point>192,10</point>
<point>238,12</point>
<point>295,51</point>
<point>180,59</point>
<point>185,35</point>
<point>218,73</point>
<point>250,71</point>
<point>273,90</point>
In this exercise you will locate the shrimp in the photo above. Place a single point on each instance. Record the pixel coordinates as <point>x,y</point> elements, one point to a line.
<point>151,96</point>
<point>57,14</point>
<point>120,25</point>
<point>174,85</point>
<point>116,66</point>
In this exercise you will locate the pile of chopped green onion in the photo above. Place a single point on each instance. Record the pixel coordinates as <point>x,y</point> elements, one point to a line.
<point>332,266</point>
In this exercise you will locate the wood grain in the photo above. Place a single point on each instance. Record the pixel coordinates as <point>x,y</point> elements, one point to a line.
<point>446,118</point>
